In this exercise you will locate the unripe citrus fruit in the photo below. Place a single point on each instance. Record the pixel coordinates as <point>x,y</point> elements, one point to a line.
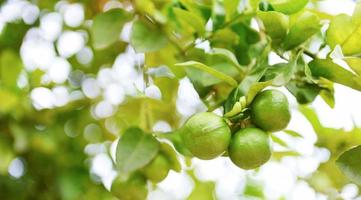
<point>157,169</point>
<point>270,110</point>
<point>206,135</point>
<point>134,188</point>
<point>249,148</point>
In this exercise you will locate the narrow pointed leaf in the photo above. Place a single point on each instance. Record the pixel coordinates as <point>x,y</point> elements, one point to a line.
<point>333,72</point>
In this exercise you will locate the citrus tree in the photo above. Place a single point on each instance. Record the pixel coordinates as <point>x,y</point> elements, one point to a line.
<point>89,77</point>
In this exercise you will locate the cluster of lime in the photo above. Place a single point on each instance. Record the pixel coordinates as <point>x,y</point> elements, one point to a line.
<point>207,135</point>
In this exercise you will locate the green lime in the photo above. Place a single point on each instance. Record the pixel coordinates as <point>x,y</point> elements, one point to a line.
<point>206,135</point>
<point>135,188</point>
<point>250,148</point>
<point>270,110</point>
<point>157,169</point>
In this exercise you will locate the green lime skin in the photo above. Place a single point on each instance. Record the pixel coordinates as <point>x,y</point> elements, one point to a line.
<point>157,170</point>
<point>250,148</point>
<point>270,111</point>
<point>206,135</point>
<point>134,188</point>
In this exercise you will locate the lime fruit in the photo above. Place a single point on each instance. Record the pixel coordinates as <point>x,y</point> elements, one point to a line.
<point>249,148</point>
<point>206,135</point>
<point>270,111</point>
<point>134,188</point>
<point>157,169</point>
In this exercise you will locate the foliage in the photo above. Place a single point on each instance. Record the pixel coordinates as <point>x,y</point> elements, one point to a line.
<point>337,141</point>
<point>222,47</point>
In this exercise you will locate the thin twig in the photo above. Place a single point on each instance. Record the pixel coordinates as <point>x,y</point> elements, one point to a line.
<point>310,54</point>
<point>282,56</point>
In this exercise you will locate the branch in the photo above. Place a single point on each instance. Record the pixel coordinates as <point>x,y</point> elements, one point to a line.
<point>310,54</point>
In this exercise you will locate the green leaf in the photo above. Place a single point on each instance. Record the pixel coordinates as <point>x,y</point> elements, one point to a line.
<point>304,93</point>
<point>146,6</point>
<point>255,89</point>
<point>190,21</point>
<point>168,88</point>
<point>12,34</point>
<point>227,54</point>
<point>354,63</point>
<point>327,69</point>
<point>247,35</point>
<point>350,164</point>
<point>254,4</point>
<point>282,73</point>
<point>308,73</point>
<point>253,189</point>
<point>209,70</point>
<point>177,142</point>
<point>293,133</point>
<point>328,92</point>
<point>107,27</point>
<point>248,44</point>
<point>252,78</point>
<point>339,31</point>
<point>322,15</point>
<point>171,156</point>
<point>218,15</point>
<point>133,188</point>
<point>203,81</point>
<point>329,97</point>
<point>244,87</point>
<point>279,141</point>
<point>265,6</point>
<point>165,56</point>
<point>280,154</point>
<point>306,26</point>
<point>135,150</point>
<point>288,6</point>
<point>345,31</point>
<point>202,190</point>
<point>230,7</point>
<point>131,112</point>
<point>276,25</point>
<point>146,37</point>
<point>237,109</point>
